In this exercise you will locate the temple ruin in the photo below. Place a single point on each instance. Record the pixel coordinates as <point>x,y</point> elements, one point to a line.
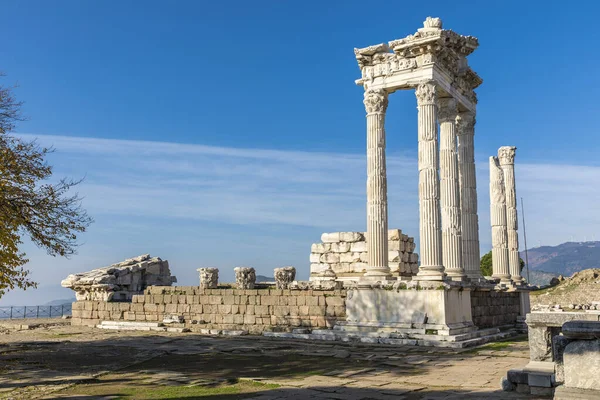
<point>369,286</point>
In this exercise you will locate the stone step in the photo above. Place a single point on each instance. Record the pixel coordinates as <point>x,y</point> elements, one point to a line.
<point>487,335</point>
<point>365,329</point>
<point>459,338</point>
<point>130,324</point>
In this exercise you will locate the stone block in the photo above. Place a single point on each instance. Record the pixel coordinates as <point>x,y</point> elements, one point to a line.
<point>582,364</point>
<point>315,257</point>
<point>330,237</point>
<point>342,247</point>
<point>320,248</point>
<point>330,258</point>
<point>394,234</point>
<point>351,237</point>
<point>316,310</point>
<point>522,388</point>
<point>358,247</point>
<point>540,380</point>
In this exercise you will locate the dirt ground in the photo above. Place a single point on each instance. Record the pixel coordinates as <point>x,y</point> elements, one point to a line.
<point>58,361</point>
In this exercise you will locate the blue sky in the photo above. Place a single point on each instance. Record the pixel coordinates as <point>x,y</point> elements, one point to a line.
<point>232,133</point>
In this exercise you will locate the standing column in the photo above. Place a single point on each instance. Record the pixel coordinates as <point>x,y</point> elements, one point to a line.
<point>376,102</point>
<point>506,155</point>
<point>450,191</point>
<point>430,238</point>
<point>468,195</point>
<point>498,218</point>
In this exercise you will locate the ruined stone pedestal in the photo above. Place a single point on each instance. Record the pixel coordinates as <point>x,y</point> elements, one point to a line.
<point>245,277</point>
<point>209,277</point>
<point>284,277</point>
<point>120,281</point>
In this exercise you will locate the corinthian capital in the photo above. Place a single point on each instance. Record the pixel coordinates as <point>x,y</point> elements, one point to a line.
<point>376,101</point>
<point>447,109</point>
<point>465,123</point>
<point>506,155</point>
<point>425,93</point>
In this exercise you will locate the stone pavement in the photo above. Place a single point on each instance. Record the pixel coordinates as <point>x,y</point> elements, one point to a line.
<point>59,362</point>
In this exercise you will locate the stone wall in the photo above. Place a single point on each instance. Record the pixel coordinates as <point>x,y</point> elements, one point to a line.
<point>346,254</point>
<point>494,309</point>
<point>254,310</point>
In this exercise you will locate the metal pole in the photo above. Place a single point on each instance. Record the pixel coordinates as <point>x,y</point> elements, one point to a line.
<point>37,313</point>
<point>50,316</point>
<point>10,312</point>
<point>25,313</point>
<point>62,310</point>
<point>525,239</point>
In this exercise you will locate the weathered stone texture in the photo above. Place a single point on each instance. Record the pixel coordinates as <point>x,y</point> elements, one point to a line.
<point>284,277</point>
<point>253,310</point>
<point>245,277</point>
<point>209,277</point>
<point>582,364</point>
<point>493,309</point>
<point>346,255</point>
<point>122,280</point>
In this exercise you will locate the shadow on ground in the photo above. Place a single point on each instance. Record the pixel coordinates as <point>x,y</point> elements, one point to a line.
<point>96,365</point>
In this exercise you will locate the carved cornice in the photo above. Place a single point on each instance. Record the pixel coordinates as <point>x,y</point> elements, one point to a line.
<point>447,109</point>
<point>465,123</point>
<point>376,101</point>
<point>426,93</point>
<point>506,155</point>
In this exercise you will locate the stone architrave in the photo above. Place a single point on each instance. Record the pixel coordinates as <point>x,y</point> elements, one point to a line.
<point>465,124</point>
<point>284,277</point>
<point>120,281</point>
<point>450,191</point>
<point>245,277</point>
<point>431,267</point>
<point>506,155</point>
<point>209,278</point>
<point>498,219</point>
<point>376,102</point>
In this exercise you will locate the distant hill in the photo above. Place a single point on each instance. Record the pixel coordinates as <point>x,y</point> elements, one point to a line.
<point>60,302</point>
<point>262,278</point>
<point>539,278</point>
<point>564,259</point>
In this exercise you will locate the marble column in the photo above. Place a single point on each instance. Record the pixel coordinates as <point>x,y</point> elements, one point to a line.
<point>498,218</point>
<point>465,124</point>
<point>430,239</point>
<point>376,102</point>
<point>506,155</point>
<point>450,191</point>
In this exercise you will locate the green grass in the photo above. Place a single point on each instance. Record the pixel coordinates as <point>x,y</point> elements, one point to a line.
<point>133,391</point>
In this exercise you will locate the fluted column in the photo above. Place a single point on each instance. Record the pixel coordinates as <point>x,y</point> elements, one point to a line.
<point>376,102</point>
<point>506,155</point>
<point>431,267</point>
<point>498,219</point>
<point>465,124</point>
<point>450,191</point>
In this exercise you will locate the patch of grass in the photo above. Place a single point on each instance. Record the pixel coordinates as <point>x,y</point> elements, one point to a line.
<point>137,391</point>
<point>499,345</point>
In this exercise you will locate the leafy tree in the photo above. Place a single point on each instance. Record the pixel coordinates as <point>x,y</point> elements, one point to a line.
<point>486,264</point>
<point>30,206</point>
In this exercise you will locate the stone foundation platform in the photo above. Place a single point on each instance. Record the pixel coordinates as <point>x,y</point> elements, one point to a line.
<point>421,314</point>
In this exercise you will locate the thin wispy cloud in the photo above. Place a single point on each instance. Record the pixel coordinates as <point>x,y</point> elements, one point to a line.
<point>202,205</point>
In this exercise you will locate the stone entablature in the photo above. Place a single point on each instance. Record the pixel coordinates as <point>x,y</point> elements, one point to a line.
<point>432,53</point>
<point>122,280</point>
<point>345,253</point>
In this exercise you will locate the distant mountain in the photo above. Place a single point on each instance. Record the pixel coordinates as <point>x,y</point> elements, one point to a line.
<point>262,278</point>
<point>60,302</point>
<point>564,259</point>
